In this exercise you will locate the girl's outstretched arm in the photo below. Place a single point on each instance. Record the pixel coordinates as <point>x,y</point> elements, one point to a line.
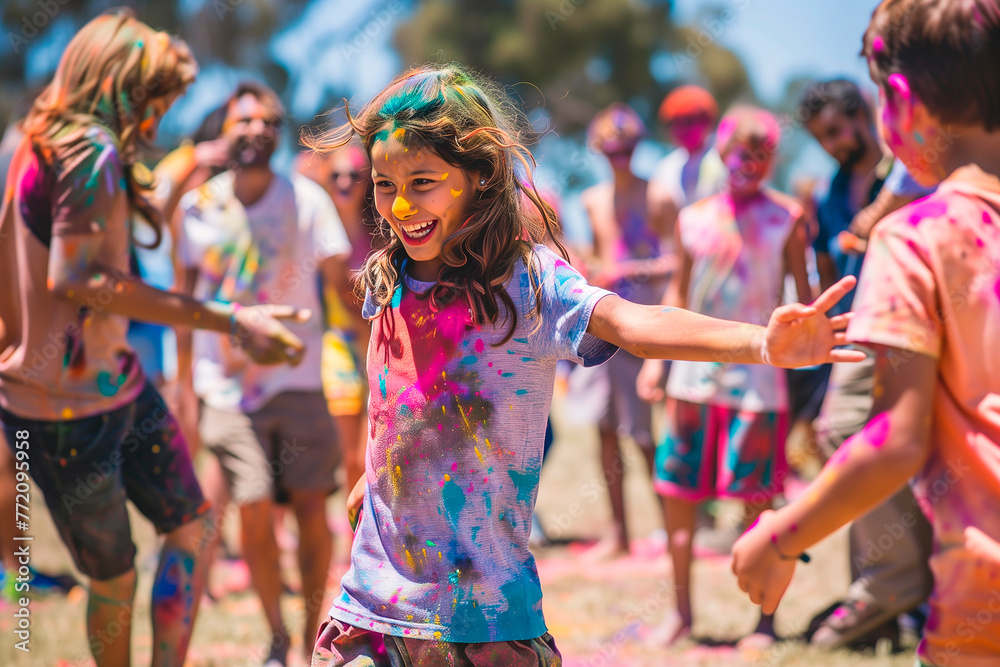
<point>870,467</point>
<point>797,335</point>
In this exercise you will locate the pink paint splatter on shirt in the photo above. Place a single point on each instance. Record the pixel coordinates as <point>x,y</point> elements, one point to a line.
<point>930,209</point>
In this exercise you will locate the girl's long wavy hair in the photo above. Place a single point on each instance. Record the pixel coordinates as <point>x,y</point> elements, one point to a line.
<point>473,125</point>
<point>110,73</point>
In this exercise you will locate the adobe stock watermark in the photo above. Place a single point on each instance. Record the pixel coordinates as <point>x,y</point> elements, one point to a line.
<point>591,492</point>
<point>641,613</point>
<point>565,9</point>
<point>968,630</point>
<point>363,36</point>
<point>932,491</point>
<point>224,7</point>
<point>32,25</point>
<point>706,34</point>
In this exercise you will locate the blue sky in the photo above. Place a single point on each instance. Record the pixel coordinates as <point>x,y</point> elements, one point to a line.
<point>781,39</point>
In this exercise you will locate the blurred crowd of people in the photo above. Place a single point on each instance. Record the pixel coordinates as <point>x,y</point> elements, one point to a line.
<point>218,223</point>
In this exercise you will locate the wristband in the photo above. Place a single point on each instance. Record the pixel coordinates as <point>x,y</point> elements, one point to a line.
<point>804,557</point>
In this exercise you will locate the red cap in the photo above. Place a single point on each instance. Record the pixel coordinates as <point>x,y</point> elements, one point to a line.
<point>688,101</point>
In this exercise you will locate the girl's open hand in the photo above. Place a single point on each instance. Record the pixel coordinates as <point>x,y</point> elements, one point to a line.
<point>800,335</point>
<point>760,571</point>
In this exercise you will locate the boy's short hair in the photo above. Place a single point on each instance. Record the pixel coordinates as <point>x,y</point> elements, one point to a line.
<point>748,126</point>
<point>949,52</point>
<point>618,125</point>
<point>842,94</point>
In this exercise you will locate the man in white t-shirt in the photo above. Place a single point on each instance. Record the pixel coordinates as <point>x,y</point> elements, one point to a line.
<point>693,170</point>
<point>253,236</point>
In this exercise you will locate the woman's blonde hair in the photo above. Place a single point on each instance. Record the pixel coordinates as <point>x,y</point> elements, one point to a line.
<point>471,124</point>
<point>110,73</point>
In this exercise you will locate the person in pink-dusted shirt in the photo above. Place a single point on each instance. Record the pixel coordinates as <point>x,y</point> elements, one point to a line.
<point>726,422</point>
<point>928,305</point>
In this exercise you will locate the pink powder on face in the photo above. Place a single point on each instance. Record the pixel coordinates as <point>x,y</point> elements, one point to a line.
<point>900,84</point>
<point>724,132</point>
<point>878,44</point>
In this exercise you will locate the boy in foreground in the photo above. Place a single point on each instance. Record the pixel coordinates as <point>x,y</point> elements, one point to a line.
<point>929,308</point>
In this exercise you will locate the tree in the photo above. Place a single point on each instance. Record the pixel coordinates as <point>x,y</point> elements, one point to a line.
<point>573,56</point>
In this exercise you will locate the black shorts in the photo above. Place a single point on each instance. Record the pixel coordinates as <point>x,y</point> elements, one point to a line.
<point>86,469</point>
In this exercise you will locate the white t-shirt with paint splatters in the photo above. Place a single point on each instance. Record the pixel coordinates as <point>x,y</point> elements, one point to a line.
<point>454,453</point>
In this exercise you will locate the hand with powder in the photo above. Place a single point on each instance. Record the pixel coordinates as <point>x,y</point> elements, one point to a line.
<point>264,338</point>
<point>763,572</point>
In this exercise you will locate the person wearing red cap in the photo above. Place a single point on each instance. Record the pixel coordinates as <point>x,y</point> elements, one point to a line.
<point>694,169</point>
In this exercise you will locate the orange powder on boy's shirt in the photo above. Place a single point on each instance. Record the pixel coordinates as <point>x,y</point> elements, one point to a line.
<point>931,285</point>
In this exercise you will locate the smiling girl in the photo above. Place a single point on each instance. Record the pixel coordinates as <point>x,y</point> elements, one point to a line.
<point>471,313</point>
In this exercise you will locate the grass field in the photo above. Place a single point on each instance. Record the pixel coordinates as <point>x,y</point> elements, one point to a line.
<point>597,612</point>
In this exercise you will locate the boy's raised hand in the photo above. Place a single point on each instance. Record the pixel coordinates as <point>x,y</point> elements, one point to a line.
<point>800,335</point>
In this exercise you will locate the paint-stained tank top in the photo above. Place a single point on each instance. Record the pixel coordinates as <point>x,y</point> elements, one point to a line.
<point>737,274</point>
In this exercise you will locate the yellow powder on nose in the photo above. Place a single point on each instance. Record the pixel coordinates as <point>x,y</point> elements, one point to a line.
<point>402,209</point>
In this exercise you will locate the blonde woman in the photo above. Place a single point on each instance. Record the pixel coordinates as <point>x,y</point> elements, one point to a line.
<point>74,402</point>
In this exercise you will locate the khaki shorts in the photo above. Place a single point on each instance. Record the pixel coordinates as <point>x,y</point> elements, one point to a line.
<point>289,444</point>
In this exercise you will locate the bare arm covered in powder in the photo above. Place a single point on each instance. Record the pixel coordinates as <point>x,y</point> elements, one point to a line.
<point>870,467</point>
<point>797,335</point>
